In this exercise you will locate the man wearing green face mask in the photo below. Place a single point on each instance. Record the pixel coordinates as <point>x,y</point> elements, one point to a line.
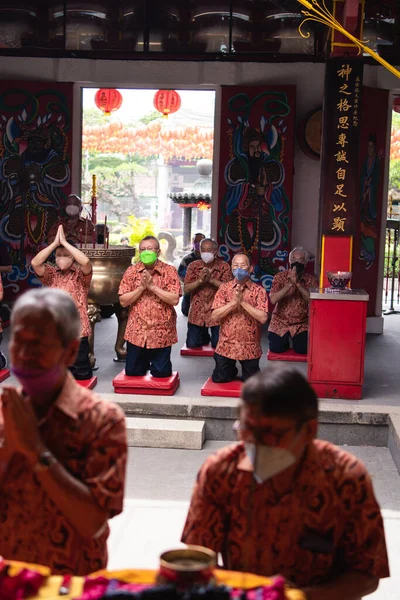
<point>151,289</point>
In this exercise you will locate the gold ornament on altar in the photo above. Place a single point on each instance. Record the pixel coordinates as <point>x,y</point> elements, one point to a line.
<point>319,13</point>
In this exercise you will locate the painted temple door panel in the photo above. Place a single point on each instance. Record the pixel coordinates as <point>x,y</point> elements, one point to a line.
<point>256,176</point>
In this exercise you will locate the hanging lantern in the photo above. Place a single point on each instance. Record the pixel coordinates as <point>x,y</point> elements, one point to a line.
<point>167,102</point>
<point>108,100</point>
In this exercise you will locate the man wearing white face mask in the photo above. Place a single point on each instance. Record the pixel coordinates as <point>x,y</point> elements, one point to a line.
<point>202,280</point>
<point>73,274</point>
<point>78,229</point>
<point>282,502</point>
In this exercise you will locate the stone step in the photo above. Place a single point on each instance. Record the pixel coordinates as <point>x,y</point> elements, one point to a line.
<point>165,433</point>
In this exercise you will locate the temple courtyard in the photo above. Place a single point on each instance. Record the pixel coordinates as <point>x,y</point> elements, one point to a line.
<point>160,479</point>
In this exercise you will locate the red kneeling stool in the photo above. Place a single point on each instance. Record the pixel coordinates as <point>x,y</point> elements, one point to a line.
<point>4,374</point>
<point>88,383</point>
<point>146,384</point>
<point>289,356</point>
<point>226,390</point>
<point>200,351</point>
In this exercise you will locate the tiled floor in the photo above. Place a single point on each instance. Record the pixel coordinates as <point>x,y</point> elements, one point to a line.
<point>158,491</point>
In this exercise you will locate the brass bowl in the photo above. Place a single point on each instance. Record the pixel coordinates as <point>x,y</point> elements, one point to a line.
<point>109,266</point>
<point>185,567</point>
<point>339,279</point>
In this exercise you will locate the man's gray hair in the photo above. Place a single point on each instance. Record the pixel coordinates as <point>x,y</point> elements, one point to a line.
<point>215,244</point>
<point>58,305</point>
<point>298,250</point>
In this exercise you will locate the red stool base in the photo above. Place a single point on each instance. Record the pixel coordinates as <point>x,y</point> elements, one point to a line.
<point>201,351</point>
<point>146,384</point>
<point>229,390</point>
<point>290,356</point>
<point>88,383</point>
<point>4,374</point>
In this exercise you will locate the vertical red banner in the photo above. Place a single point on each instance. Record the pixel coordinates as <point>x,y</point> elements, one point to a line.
<point>370,192</point>
<point>256,176</point>
<point>35,158</point>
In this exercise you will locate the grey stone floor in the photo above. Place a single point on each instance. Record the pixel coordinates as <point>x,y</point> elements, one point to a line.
<point>158,490</point>
<point>382,377</point>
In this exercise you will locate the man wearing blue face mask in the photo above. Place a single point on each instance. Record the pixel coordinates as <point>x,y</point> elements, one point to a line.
<point>241,308</point>
<point>290,295</point>
<point>282,502</point>
<point>151,289</point>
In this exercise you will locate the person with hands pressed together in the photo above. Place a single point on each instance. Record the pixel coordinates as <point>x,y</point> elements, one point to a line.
<point>73,274</point>
<point>281,502</point>
<point>62,448</point>
<point>151,289</point>
<point>202,280</point>
<point>291,296</point>
<point>183,266</point>
<point>241,308</point>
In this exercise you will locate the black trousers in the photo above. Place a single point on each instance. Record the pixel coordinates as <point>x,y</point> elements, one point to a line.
<point>81,369</point>
<point>226,370</point>
<point>280,344</point>
<point>198,336</point>
<point>140,360</point>
<point>185,304</point>
<point>3,360</point>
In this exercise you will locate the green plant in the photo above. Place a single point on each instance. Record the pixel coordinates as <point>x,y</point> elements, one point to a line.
<point>138,228</point>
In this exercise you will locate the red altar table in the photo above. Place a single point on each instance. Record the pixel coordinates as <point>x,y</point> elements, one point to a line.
<point>336,346</point>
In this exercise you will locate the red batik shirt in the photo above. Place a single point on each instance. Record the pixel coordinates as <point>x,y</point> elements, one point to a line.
<point>240,333</point>
<point>291,313</point>
<point>151,321</point>
<point>87,436</point>
<point>201,300</point>
<point>1,298</point>
<point>329,523</point>
<point>76,284</point>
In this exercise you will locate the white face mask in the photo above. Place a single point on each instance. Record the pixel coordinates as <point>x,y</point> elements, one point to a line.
<point>207,257</point>
<point>72,210</point>
<point>64,263</point>
<point>271,460</point>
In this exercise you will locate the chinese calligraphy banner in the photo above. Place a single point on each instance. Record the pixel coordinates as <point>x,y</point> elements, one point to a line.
<point>340,139</point>
<point>256,176</point>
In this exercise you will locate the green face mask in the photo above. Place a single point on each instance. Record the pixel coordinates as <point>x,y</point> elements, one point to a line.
<point>148,257</point>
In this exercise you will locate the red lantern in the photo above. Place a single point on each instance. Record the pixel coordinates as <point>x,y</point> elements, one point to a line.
<point>108,100</point>
<point>167,102</point>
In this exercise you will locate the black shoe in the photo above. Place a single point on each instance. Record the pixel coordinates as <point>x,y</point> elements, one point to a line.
<point>3,362</point>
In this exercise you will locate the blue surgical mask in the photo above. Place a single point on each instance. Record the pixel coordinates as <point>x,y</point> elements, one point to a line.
<point>241,274</point>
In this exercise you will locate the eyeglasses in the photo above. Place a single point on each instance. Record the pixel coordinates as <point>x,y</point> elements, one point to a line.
<point>263,432</point>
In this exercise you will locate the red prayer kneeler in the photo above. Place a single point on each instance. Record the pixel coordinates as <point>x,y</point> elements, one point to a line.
<point>200,351</point>
<point>88,383</point>
<point>4,374</point>
<point>229,390</point>
<point>146,384</point>
<point>290,356</point>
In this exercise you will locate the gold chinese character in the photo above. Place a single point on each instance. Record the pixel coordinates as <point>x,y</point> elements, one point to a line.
<point>342,141</point>
<point>339,190</point>
<point>338,224</point>
<point>341,207</point>
<point>341,156</point>
<point>343,123</point>
<point>343,89</point>
<point>344,72</point>
<point>341,174</point>
<point>344,105</point>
